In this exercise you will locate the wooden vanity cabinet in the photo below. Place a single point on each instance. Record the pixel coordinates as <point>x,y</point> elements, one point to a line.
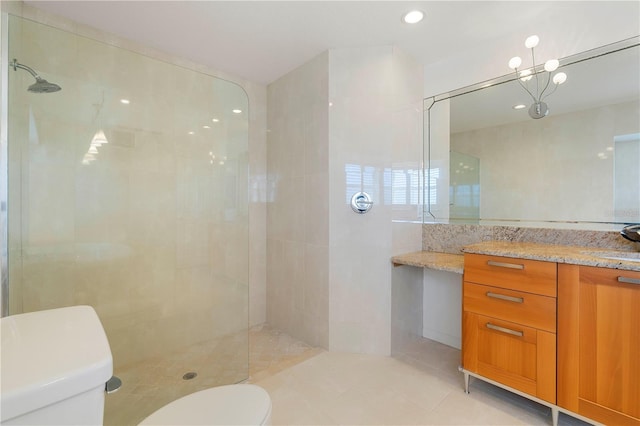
<point>599,343</point>
<point>509,323</point>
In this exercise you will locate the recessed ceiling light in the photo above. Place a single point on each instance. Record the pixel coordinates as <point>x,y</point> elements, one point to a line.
<point>237,111</point>
<point>215,120</point>
<point>125,101</point>
<point>206,127</point>
<point>192,133</point>
<point>519,106</point>
<point>413,17</point>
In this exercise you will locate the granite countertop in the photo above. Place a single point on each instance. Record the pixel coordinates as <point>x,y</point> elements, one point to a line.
<point>588,256</point>
<point>432,260</point>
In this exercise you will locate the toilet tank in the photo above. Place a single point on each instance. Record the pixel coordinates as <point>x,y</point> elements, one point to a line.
<point>53,367</point>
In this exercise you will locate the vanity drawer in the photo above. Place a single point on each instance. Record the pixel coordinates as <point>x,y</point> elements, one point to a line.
<point>519,307</point>
<point>531,276</point>
<point>520,357</point>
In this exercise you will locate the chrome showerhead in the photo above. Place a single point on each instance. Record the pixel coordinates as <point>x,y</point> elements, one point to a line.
<point>41,85</point>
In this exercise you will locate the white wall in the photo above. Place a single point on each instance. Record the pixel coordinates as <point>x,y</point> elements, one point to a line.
<point>374,115</point>
<point>442,307</point>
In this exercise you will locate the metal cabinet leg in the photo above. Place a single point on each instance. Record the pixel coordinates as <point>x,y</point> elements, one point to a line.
<point>466,382</point>
<point>554,415</point>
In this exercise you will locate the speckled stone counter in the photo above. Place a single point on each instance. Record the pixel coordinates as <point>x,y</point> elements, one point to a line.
<point>432,260</point>
<point>446,238</point>
<point>589,256</point>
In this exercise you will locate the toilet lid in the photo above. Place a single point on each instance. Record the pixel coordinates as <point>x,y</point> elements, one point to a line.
<point>224,405</point>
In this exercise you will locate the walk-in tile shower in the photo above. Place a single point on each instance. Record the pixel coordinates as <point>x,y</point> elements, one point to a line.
<point>127,191</point>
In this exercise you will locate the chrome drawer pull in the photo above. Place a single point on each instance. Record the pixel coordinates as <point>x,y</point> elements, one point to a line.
<point>505,330</point>
<point>504,297</point>
<point>505,265</point>
<point>629,280</point>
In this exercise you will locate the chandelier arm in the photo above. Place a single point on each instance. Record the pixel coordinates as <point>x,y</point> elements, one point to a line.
<point>555,86</point>
<point>525,87</point>
<point>546,85</point>
<point>533,60</point>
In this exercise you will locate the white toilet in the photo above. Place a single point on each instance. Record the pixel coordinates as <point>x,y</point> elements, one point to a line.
<point>55,365</point>
<point>223,405</point>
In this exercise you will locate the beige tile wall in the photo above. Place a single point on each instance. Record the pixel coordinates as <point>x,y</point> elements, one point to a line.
<point>297,212</point>
<point>329,275</point>
<point>132,233</point>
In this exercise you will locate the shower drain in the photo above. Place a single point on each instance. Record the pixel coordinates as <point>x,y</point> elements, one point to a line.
<point>190,375</point>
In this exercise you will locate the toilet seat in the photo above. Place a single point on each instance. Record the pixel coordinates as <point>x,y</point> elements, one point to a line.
<point>223,405</point>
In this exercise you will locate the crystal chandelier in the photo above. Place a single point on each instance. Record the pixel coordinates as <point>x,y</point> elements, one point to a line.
<point>532,76</point>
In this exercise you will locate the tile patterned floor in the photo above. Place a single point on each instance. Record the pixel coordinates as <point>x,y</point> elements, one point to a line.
<point>421,386</point>
<point>309,386</point>
<point>149,385</point>
<point>153,383</point>
<point>272,351</point>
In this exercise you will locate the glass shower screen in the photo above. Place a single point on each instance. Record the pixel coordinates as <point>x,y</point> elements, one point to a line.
<point>127,191</point>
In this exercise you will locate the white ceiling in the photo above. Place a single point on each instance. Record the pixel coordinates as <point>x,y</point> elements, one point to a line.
<point>263,40</point>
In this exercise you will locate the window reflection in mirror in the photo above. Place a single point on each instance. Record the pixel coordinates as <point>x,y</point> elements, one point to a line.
<point>626,178</point>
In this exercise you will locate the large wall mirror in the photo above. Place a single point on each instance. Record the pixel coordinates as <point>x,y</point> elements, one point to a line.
<point>579,166</point>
